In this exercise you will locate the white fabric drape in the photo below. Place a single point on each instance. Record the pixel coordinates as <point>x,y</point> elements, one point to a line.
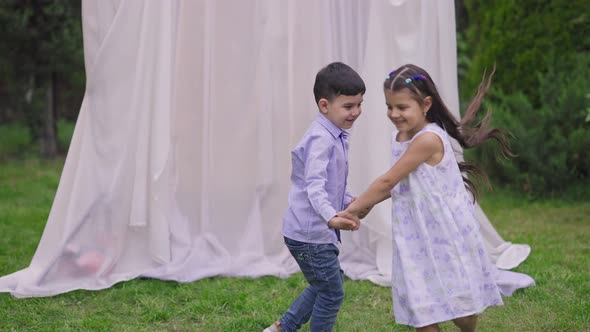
<point>179,164</point>
<point>400,32</point>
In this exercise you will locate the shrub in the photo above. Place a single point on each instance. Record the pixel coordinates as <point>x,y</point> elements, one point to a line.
<point>551,140</point>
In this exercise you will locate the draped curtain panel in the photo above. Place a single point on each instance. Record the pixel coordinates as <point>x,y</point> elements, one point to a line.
<point>179,164</point>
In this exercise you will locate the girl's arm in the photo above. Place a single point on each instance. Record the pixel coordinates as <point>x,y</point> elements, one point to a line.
<point>427,147</point>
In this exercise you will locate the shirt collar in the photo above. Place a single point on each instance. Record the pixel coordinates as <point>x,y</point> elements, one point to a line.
<point>332,128</point>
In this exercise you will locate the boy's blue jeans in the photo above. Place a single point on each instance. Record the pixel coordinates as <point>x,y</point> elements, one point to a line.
<point>322,299</point>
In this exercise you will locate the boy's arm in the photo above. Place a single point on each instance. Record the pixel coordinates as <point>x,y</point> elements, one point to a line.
<point>316,175</point>
<point>348,198</point>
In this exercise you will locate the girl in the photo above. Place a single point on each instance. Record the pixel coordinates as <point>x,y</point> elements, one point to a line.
<point>441,271</point>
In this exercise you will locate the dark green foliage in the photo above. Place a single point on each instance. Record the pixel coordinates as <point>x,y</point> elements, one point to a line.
<point>540,91</point>
<point>524,39</point>
<point>552,140</point>
<point>41,64</point>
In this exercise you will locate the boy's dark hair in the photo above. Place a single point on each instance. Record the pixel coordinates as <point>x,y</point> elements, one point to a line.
<point>337,79</point>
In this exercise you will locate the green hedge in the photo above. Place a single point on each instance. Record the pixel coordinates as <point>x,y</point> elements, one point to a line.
<point>524,38</point>
<point>552,140</point>
<point>541,90</point>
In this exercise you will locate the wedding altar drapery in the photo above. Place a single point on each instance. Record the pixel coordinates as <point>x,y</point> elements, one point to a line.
<point>179,164</point>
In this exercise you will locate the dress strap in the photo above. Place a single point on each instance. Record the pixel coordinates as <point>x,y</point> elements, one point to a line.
<point>434,128</point>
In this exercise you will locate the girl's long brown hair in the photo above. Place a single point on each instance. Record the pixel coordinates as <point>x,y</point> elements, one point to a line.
<point>468,131</point>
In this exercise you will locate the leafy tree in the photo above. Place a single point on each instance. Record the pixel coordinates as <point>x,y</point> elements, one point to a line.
<point>41,53</point>
<point>541,87</point>
<point>524,38</point>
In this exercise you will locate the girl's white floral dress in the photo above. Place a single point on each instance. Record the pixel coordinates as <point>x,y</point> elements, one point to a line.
<point>440,268</point>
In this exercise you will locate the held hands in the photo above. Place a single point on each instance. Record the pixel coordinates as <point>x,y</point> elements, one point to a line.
<point>348,220</point>
<point>344,223</point>
<point>348,216</point>
<point>361,214</point>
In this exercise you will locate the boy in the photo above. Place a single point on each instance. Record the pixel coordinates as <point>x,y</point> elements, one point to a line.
<point>311,228</point>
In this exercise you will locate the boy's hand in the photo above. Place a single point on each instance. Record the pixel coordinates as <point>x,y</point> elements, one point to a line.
<point>344,223</point>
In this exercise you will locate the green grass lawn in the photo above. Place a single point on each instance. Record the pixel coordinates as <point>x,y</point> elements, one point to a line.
<point>557,230</point>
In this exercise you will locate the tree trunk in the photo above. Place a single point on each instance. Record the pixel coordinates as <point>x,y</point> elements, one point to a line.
<point>48,143</point>
<point>29,108</point>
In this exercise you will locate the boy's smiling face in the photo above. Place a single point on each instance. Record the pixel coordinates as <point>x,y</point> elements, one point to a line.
<point>343,110</point>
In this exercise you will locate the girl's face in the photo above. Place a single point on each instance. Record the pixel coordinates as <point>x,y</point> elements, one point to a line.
<point>405,112</point>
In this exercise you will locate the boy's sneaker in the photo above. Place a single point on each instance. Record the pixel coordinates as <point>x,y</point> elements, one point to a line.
<point>276,327</point>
